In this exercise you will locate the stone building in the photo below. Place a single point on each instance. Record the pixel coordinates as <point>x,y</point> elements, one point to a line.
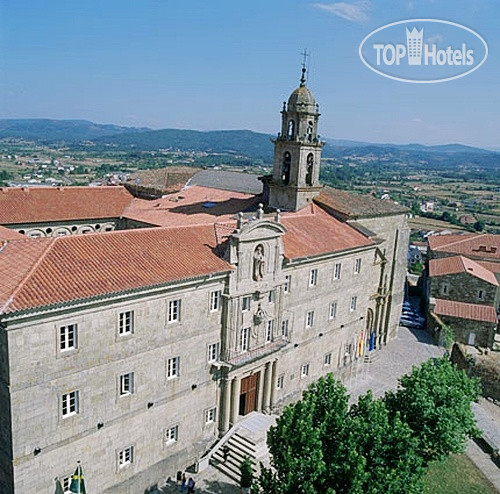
<point>463,286</point>
<point>132,351</point>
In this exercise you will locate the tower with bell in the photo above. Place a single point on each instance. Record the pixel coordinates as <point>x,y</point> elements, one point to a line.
<point>297,151</point>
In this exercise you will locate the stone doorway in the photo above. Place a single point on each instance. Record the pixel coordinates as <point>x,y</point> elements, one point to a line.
<point>248,394</point>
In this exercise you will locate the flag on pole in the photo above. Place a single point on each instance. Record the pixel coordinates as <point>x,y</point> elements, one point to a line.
<point>77,482</point>
<point>59,487</point>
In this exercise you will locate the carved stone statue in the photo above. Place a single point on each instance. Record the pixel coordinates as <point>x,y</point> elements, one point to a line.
<point>258,263</point>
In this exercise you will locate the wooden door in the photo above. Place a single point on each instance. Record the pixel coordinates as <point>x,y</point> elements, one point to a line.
<point>248,394</point>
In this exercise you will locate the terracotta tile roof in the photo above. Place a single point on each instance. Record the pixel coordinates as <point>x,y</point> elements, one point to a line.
<point>161,181</point>
<point>352,205</point>
<point>460,264</point>
<point>8,234</point>
<point>41,272</point>
<point>312,231</point>
<point>461,310</point>
<point>494,267</point>
<point>43,204</point>
<point>192,206</point>
<point>475,245</point>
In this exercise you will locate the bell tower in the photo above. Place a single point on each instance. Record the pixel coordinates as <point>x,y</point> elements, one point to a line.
<point>297,152</point>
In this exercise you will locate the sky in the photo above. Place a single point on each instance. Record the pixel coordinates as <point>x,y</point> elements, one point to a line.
<point>229,64</point>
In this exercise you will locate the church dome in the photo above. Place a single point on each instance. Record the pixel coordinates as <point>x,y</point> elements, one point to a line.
<point>301,96</point>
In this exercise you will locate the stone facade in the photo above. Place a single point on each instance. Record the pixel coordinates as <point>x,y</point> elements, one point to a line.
<point>140,383</point>
<point>63,228</point>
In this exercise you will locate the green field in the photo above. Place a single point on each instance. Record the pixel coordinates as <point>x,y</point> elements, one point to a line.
<point>456,475</point>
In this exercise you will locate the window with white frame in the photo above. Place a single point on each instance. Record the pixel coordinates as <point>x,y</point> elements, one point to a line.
<point>280,382</point>
<point>327,359</point>
<point>213,352</point>
<point>270,297</point>
<point>174,311</point>
<point>68,337</point>
<point>70,403</point>
<point>172,435</point>
<point>127,384</point>
<point>310,319</point>
<point>333,310</point>
<point>357,265</point>
<point>313,277</point>
<point>269,330</point>
<point>354,303</point>
<point>288,282</point>
<point>304,370</point>
<point>173,367</point>
<point>126,457</point>
<point>245,339</point>
<point>126,323</point>
<point>215,297</point>
<point>245,303</point>
<point>336,271</point>
<point>284,328</point>
<point>210,415</point>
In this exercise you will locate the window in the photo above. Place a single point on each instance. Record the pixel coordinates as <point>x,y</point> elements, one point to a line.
<point>245,339</point>
<point>269,331</point>
<point>304,371</point>
<point>270,297</point>
<point>174,311</point>
<point>280,382</point>
<point>126,323</point>
<point>444,288</point>
<point>354,303</point>
<point>313,277</point>
<point>173,367</point>
<point>172,435</point>
<point>333,310</point>
<point>210,415</point>
<point>284,328</point>
<point>70,404</point>
<point>245,304</point>
<point>66,483</point>
<point>126,384</point>
<point>67,336</point>
<point>336,271</point>
<point>288,281</point>
<point>213,352</point>
<point>480,294</point>
<point>310,319</point>
<point>357,266</point>
<point>126,457</point>
<point>327,359</point>
<point>215,301</point>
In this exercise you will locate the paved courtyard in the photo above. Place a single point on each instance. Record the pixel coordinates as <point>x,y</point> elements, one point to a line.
<point>410,348</point>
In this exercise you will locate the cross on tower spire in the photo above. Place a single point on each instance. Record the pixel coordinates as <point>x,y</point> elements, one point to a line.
<point>305,54</point>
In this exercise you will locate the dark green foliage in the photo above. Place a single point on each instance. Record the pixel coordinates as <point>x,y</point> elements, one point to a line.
<point>435,401</point>
<point>246,473</point>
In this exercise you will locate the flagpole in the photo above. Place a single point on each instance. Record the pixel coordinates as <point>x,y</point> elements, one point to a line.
<point>79,477</point>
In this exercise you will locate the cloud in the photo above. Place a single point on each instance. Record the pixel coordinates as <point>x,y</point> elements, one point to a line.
<point>435,39</point>
<point>355,12</point>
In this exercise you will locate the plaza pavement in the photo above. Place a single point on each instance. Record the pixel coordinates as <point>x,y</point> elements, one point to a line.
<point>411,347</point>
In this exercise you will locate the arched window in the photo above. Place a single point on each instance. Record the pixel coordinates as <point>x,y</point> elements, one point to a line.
<point>291,130</point>
<point>309,131</point>
<point>285,171</point>
<point>310,169</point>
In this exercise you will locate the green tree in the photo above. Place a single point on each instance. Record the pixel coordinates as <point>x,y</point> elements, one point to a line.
<point>246,473</point>
<point>435,401</point>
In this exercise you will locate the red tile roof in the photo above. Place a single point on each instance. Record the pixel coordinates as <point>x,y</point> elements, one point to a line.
<point>461,310</point>
<point>352,205</point>
<point>8,234</point>
<point>460,264</point>
<point>312,231</point>
<point>189,207</point>
<point>45,271</point>
<point>44,204</point>
<point>474,245</point>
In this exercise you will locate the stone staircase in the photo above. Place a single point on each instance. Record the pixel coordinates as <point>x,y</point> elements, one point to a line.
<point>371,357</point>
<point>248,439</point>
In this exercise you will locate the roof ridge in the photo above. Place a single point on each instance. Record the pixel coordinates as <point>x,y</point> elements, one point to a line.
<point>468,237</point>
<point>42,256</point>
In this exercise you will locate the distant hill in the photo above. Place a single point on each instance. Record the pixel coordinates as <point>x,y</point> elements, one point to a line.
<point>47,130</point>
<point>241,142</point>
